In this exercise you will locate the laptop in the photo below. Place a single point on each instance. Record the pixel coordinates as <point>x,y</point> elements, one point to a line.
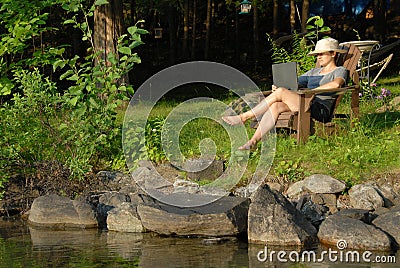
<point>285,75</point>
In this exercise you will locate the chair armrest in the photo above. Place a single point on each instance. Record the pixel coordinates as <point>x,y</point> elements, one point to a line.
<point>325,90</point>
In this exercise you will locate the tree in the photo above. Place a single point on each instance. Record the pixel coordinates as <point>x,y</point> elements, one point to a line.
<point>292,16</point>
<point>193,54</point>
<point>108,25</point>
<point>275,18</point>
<point>185,45</point>
<point>380,18</point>
<point>255,31</point>
<point>304,15</point>
<point>208,30</point>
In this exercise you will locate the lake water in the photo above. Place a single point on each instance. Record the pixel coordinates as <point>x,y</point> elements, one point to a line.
<point>25,246</point>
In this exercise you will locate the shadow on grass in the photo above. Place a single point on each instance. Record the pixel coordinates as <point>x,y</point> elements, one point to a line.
<point>380,121</point>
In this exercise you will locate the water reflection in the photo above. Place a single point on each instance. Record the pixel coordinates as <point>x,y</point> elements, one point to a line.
<point>25,246</point>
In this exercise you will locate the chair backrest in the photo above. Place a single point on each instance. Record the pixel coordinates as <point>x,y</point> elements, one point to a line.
<point>350,61</point>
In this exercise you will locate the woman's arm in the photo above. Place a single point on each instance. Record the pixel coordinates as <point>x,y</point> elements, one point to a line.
<point>335,83</point>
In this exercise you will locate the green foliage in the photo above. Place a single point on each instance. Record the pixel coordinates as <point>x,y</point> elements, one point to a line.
<point>78,128</point>
<point>316,29</point>
<point>300,47</point>
<point>289,170</point>
<point>98,88</point>
<point>21,21</point>
<point>297,53</point>
<point>28,131</point>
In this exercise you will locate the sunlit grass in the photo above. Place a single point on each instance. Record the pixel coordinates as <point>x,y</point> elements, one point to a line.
<point>358,151</point>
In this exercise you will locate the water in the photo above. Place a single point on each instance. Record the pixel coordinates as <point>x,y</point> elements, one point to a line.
<point>25,246</point>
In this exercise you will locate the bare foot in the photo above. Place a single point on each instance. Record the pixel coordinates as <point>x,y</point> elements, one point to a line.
<point>233,120</point>
<point>248,146</point>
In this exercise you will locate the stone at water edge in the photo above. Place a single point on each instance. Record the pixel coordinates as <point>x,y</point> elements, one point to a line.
<point>58,211</point>
<point>273,220</point>
<point>357,234</point>
<point>225,217</point>
<point>123,218</point>
<point>389,222</point>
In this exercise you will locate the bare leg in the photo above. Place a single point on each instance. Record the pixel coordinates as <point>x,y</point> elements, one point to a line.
<point>290,98</point>
<point>267,122</point>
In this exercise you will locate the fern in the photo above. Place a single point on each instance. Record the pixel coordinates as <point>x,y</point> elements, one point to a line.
<point>297,52</point>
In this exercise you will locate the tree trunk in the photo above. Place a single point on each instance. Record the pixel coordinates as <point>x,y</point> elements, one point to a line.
<point>380,18</point>
<point>185,45</point>
<point>172,34</point>
<point>292,16</point>
<point>275,19</point>
<point>348,8</point>
<point>255,31</point>
<point>193,54</point>
<point>208,22</point>
<point>133,12</point>
<point>108,23</point>
<point>305,11</point>
<point>237,48</point>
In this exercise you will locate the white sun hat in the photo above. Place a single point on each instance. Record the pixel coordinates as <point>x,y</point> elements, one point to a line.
<point>325,45</point>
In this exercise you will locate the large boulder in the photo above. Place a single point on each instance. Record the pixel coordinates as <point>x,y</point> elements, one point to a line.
<point>225,217</point>
<point>123,218</point>
<point>365,196</point>
<point>58,211</point>
<point>273,220</point>
<point>352,233</point>
<point>389,223</point>
<point>323,184</point>
<point>106,202</point>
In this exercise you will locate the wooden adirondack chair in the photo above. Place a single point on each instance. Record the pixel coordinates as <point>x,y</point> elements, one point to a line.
<point>301,121</point>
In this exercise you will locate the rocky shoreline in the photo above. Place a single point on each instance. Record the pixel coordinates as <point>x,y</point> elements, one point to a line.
<point>306,213</point>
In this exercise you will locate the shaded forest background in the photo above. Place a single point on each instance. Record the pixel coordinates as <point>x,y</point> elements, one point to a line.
<point>214,30</point>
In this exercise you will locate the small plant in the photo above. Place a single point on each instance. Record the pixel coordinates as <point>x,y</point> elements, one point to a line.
<point>373,92</point>
<point>290,170</point>
<point>300,47</point>
<point>316,28</point>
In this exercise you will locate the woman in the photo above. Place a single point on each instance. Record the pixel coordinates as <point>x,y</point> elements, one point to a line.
<point>283,100</point>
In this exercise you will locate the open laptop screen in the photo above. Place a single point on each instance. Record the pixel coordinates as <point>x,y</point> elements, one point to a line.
<point>285,75</point>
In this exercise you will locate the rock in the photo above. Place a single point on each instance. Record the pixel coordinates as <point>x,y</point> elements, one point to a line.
<point>108,201</point>
<point>365,196</point>
<point>273,220</point>
<point>323,184</point>
<point>393,105</point>
<point>150,179</point>
<point>358,214</point>
<point>60,212</point>
<point>315,213</point>
<point>225,217</point>
<point>146,164</point>
<point>328,200</point>
<point>296,190</point>
<point>275,186</point>
<point>123,218</point>
<point>186,186</point>
<point>390,197</point>
<point>111,180</point>
<point>204,169</point>
<point>355,233</point>
<point>389,223</point>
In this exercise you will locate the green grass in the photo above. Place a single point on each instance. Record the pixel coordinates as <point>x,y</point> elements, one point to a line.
<point>366,149</point>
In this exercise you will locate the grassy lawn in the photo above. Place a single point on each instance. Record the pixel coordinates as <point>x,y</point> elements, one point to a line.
<point>366,150</point>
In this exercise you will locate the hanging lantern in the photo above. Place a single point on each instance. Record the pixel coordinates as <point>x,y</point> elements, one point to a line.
<point>158,33</point>
<point>245,7</point>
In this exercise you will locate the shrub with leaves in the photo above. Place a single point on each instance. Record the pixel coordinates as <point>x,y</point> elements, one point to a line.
<point>300,45</point>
